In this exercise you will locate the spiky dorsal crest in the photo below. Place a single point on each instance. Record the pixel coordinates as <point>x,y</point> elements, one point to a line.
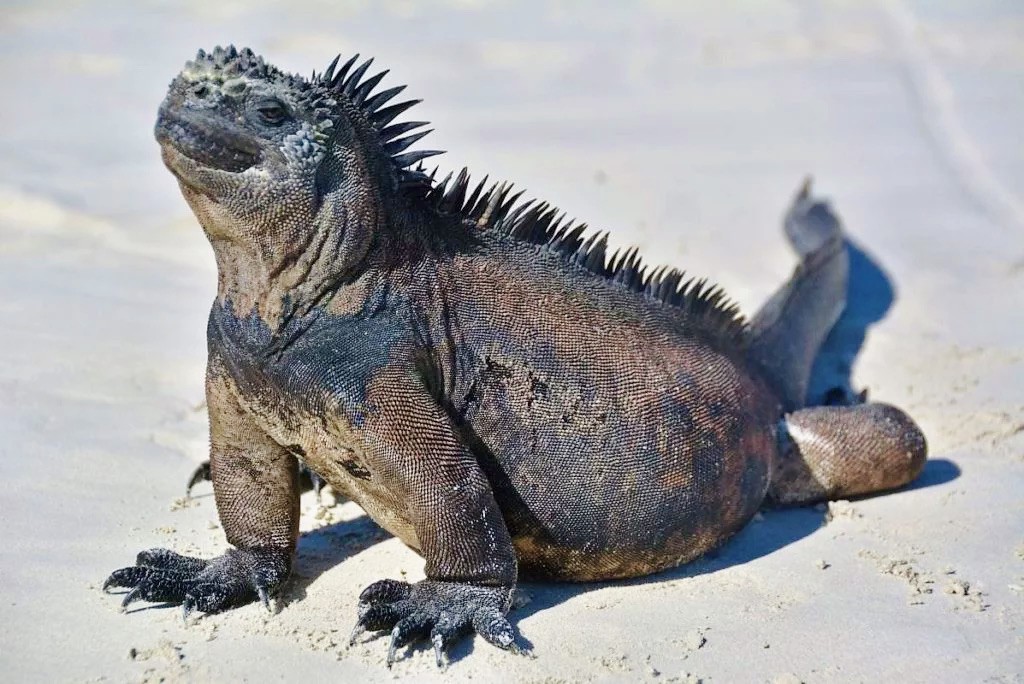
<point>496,208</point>
<point>491,207</point>
<point>348,81</point>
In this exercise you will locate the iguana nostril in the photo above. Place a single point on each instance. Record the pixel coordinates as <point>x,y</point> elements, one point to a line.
<point>200,89</point>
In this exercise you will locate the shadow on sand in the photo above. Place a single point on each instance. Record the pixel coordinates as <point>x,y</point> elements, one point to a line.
<point>869,296</point>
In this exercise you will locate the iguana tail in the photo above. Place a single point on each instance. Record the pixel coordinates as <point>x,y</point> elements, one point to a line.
<point>831,452</point>
<point>824,451</point>
<point>790,327</point>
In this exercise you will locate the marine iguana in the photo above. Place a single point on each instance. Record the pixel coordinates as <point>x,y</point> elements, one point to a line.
<point>474,370</point>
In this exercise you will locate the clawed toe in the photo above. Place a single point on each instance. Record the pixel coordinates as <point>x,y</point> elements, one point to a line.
<point>409,629</point>
<point>442,611</point>
<point>492,626</point>
<point>385,591</point>
<point>165,559</point>
<point>156,587</point>
<point>125,578</point>
<point>445,632</point>
<point>264,595</point>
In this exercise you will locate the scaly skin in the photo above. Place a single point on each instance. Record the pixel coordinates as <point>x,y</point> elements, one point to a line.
<point>482,379</point>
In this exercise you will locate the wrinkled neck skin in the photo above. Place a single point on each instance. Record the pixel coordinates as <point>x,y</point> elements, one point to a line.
<point>281,252</point>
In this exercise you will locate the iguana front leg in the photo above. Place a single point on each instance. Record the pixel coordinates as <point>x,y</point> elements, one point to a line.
<point>470,561</point>
<point>256,489</point>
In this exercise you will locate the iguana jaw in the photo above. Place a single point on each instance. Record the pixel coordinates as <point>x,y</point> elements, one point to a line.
<point>208,142</point>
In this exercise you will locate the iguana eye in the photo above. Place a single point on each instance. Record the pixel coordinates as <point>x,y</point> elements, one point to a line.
<point>272,111</point>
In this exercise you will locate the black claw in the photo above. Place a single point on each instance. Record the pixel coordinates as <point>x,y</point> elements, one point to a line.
<point>408,629</point>
<point>392,649</point>
<point>440,655</point>
<point>357,632</point>
<point>130,597</point>
<point>447,629</point>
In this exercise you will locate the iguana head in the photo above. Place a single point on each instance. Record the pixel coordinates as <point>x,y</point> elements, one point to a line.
<point>271,161</point>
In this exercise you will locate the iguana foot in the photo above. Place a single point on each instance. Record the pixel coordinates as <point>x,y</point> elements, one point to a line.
<point>443,611</point>
<point>209,586</point>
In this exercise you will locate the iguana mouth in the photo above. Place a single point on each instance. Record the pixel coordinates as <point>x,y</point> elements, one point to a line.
<point>206,140</point>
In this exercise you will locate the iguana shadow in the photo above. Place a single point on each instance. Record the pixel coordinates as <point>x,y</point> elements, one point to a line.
<point>870,295</point>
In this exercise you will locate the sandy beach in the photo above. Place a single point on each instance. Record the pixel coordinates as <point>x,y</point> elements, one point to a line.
<point>682,128</point>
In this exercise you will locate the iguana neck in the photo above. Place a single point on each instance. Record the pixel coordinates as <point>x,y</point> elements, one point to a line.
<point>283,274</point>
<point>288,264</point>
<point>253,280</point>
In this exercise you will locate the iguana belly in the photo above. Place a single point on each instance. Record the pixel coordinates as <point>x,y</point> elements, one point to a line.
<point>624,470</point>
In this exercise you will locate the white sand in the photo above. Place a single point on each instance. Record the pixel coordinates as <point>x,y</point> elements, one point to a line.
<point>683,131</point>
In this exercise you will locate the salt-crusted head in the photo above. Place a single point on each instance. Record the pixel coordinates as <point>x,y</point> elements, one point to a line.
<point>271,162</point>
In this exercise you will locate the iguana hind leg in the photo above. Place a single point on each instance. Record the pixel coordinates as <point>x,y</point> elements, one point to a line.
<point>789,328</point>
<point>830,452</point>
